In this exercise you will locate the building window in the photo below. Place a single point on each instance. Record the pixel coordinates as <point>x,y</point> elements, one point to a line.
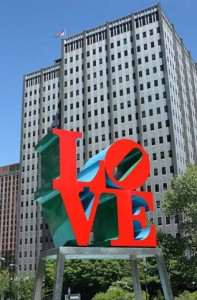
<point>152,126</point>
<point>162,155</point>
<point>155,82</point>
<point>155,172</point>
<point>167,220</point>
<point>154,156</point>
<point>156,187</point>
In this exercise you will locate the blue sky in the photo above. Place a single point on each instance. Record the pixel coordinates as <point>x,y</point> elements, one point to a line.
<point>27,29</point>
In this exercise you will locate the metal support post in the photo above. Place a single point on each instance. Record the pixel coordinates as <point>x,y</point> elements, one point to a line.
<point>164,276</point>
<point>57,289</point>
<point>39,279</point>
<point>135,276</point>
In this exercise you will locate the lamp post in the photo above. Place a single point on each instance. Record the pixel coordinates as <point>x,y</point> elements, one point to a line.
<point>193,285</point>
<point>12,278</point>
<point>16,266</point>
<point>145,280</point>
<point>69,292</point>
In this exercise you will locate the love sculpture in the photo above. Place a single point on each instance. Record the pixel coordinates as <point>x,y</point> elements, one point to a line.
<point>102,199</point>
<point>98,213</point>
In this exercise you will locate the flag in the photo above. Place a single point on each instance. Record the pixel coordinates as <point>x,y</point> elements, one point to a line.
<point>61,33</point>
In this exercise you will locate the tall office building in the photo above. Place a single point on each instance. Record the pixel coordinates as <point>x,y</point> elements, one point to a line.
<point>40,112</point>
<point>9,176</point>
<point>132,78</point>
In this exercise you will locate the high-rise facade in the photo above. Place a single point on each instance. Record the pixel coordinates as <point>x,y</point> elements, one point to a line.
<point>9,176</point>
<point>40,111</point>
<point>132,78</point>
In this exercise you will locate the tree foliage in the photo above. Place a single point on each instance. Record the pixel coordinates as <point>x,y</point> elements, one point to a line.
<point>15,287</point>
<point>115,294</point>
<point>22,288</point>
<point>180,251</point>
<point>4,282</point>
<point>91,276</point>
<point>181,201</point>
<point>187,296</point>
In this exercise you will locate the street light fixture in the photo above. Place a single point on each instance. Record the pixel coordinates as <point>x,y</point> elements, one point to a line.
<point>13,265</point>
<point>1,259</point>
<point>12,278</point>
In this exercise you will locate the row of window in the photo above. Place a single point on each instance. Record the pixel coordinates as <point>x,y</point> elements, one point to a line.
<point>167,220</point>
<point>32,227</point>
<point>158,188</point>
<point>97,36</point>
<point>154,141</point>
<point>29,214</point>
<point>146,19</point>
<point>119,55</point>
<point>94,63</point>
<point>32,240</point>
<point>115,29</point>
<point>122,104</point>
<point>102,111</point>
<point>112,45</point>
<point>36,112</point>
<point>7,241</point>
<point>122,133</point>
<point>46,76</point>
<point>142,86</point>
<point>48,119</point>
<point>30,268</point>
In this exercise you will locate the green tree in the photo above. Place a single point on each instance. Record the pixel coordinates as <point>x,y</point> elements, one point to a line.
<point>187,296</point>
<point>181,201</point>
<point>49,278</point>
<point>124,283</point>
<point>22,288</point>
<point>91,276</point>
<point>149,277</point>
<point>180,252</point>
<point>115,294</point>
<point>4,282</point>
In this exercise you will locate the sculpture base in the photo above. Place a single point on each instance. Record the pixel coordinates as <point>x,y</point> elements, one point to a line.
<point>62,253</point>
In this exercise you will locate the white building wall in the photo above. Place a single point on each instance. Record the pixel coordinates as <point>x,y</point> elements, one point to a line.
<point>128,78</point>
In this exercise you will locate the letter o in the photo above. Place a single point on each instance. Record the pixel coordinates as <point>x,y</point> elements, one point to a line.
<point>127,164</point>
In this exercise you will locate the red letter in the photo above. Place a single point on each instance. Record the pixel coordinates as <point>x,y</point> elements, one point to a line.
<point>70,188</point>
